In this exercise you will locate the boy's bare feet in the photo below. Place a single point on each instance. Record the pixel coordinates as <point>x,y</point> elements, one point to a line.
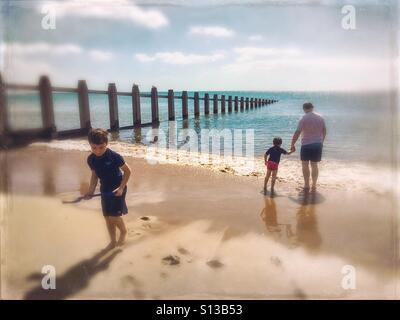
<point>314,189</point>
<point>265,191</point>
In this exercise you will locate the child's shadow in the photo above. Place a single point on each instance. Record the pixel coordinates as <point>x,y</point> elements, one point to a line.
<point>75,279</point>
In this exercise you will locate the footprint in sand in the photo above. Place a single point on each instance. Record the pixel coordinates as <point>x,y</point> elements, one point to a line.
<point>183,251</point>
<point>171,260</point>
<point>215,264</point>
<point>276,261</point>
<point>137,286</point>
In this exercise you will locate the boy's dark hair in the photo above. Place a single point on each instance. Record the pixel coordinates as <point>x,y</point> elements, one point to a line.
<point>277,141</point>
<point>98,136</point>
<point>308,106</point>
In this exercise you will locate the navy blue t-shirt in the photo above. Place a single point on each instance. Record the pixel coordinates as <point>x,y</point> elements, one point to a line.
<point>107,168</point>
<point>275,153</point>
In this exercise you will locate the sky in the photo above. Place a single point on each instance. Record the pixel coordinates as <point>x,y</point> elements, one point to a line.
<point>201,45</point>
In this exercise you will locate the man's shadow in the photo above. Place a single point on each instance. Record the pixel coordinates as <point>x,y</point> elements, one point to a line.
<point>75,279</point>
<point>307,234</point>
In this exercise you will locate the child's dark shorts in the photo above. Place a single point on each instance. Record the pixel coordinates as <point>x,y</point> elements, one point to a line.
<point>311,152</point>
<point>113,206</point>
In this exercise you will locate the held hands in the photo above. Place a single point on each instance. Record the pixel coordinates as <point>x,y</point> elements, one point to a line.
<point>292,149</point>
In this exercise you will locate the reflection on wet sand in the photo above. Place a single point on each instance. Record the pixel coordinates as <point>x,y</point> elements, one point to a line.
<point>307,234</point>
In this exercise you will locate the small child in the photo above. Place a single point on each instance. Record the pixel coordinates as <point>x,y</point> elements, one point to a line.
<point>107,165</point>
<point>272,162</point>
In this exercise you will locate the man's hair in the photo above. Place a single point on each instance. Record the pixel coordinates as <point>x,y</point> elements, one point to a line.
<point>308,106</point>
<point>98,136</point>
<point>277,141</point>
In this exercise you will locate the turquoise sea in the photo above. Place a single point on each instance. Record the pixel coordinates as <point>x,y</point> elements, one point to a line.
<point>361,126</point>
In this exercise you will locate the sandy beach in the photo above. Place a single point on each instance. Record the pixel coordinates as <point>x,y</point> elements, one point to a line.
<point>193,233</point>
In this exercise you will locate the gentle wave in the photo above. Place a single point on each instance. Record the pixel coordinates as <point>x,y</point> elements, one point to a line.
<point>333,174</point>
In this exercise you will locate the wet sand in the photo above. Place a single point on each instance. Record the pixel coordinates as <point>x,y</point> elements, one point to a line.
<point>193,233</point>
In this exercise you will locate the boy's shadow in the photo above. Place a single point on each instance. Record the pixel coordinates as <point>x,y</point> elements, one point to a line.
<point>75,279</point>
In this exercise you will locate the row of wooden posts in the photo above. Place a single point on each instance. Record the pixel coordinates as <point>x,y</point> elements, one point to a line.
<point>48,130</point>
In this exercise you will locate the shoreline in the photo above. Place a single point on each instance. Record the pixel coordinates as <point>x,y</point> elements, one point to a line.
<point>334,174</point>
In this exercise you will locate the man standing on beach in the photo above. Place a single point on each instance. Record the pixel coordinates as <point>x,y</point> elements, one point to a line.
<point>313,130</point>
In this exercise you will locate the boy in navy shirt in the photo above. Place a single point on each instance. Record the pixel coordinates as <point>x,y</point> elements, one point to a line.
<point>106,165</point>
<point>272,158</point>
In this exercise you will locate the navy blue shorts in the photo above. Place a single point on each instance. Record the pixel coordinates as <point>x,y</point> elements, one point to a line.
<point>113,206</point>
<point>311,152</point>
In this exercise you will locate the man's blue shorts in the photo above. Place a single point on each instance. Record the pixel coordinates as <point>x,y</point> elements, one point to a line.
<point>311,152</point>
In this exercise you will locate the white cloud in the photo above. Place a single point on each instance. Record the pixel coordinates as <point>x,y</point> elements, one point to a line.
<point>311,72</point>
<point>99,55</point>
<point>109,9</point>
<point>252,53</point>
<point>44,50</point>
<point>255,37</point>
<point>179,57</point>
<point>211,31</point>
<point>22,48</point>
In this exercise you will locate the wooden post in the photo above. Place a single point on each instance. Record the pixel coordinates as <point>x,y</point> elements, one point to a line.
<point>171,105</point>
<point>196,104</point>
<point>215,104</point>
<point>222,104</point>
<point>236,104</point>
<point>47,106</point>
<point>241,103</point>
<point>113,107</point>
<point>251,103</point>
<point>154,106</point>
<point>184,105</point>
<point>247,103</point>
<point>206,103</point>
<point>4,126</point>
<point>229,103</point>
<point>137,118</point>
<point>83,101</point>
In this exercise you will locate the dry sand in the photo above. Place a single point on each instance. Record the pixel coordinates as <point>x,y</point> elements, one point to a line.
<point>221,237</point>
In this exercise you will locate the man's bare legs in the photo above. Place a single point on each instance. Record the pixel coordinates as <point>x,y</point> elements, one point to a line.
<point>266,181</point>
<point>306,174</point>
<point>314,174</point>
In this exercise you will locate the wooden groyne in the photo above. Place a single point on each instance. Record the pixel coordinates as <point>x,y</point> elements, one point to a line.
<point>10,137</point>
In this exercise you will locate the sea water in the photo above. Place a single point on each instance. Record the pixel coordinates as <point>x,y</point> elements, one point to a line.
<point>361,126</point>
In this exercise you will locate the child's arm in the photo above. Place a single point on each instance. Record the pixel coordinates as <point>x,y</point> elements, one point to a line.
<point>266,157</point>
<point>127,173</point>
<point>93,183</point>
